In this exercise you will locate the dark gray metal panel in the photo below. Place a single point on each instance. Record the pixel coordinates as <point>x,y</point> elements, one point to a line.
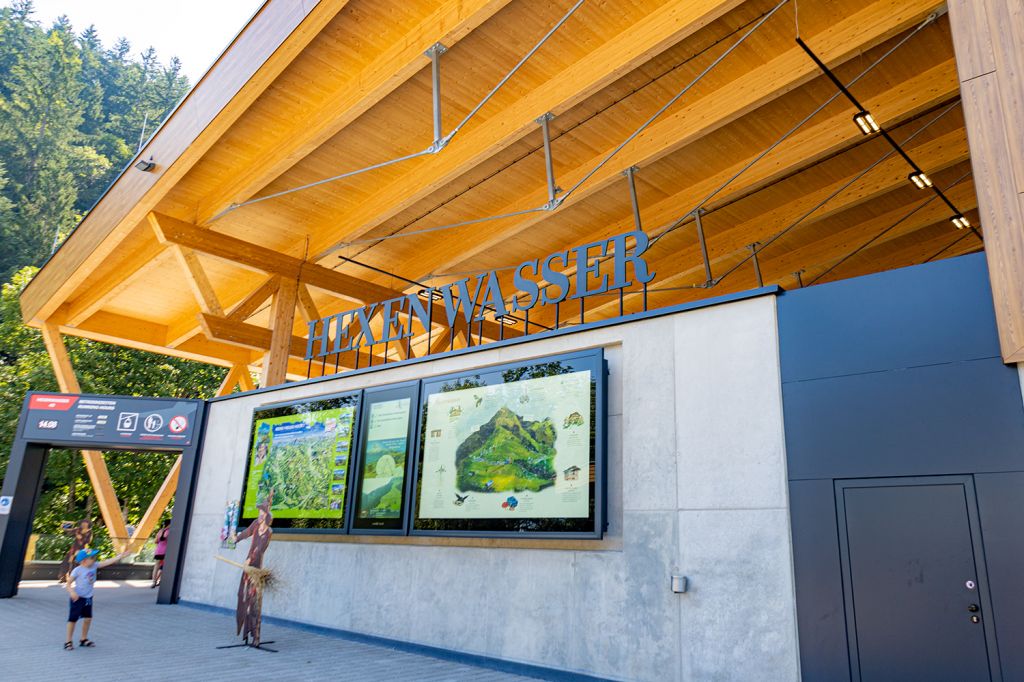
<point>1000,498</point>
<point>86,420</point>
<point>945,419</point>
<point>22,483</point>
<point>184,501</point>
<point>922,315</point>
<point>819,586</point>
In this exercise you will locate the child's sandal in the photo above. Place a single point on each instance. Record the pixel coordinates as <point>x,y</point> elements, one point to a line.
<point>86,643</point>
<point>68,646</point>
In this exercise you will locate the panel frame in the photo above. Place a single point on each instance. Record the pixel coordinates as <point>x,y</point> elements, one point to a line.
<point>599,375</point>
<point>339,395</point>
<point>385,393</point>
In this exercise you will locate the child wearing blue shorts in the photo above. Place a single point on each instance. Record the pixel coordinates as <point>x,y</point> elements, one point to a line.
<point>80,585</point>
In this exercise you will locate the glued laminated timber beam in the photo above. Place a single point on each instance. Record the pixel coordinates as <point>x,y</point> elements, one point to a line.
<point>274,36</point>
<point>349,96</point>
<point>750,89</point>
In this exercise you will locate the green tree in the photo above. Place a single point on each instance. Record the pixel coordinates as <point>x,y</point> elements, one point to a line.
<point>72,114</point>
<point>100,368</point>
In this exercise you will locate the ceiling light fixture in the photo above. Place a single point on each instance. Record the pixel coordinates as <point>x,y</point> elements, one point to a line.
<point>920,180</point>
<point>431,293</point>
<point>869,126</point>
<point>866,122</point>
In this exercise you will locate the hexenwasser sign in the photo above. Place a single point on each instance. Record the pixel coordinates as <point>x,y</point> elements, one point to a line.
<point>484,298</point>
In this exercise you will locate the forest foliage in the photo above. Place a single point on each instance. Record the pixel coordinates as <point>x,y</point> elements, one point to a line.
<point>73,113</point>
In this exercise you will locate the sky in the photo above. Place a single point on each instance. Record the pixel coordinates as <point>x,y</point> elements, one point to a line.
<point>195,31</point>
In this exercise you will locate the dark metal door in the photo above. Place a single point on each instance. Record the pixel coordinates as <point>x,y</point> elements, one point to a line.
<point>914,581</point>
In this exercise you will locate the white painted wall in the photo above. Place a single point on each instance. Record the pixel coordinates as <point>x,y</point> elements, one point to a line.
<point>697,485</point>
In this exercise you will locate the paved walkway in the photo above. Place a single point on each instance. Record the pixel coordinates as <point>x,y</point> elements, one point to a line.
<point>137,639</point>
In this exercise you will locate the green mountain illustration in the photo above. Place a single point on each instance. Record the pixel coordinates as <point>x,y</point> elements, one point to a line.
<point>507,453</point>
<point>385,501</point>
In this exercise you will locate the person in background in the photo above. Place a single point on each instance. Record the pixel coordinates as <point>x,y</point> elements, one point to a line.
<point>160,552</point>
<point>80,585</point>
<point>82,534</point>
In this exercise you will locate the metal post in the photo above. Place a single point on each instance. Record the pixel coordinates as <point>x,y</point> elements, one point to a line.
<point>430,321</point>
<point>408,339</point>
<point>630,173</point>
<point>757,265</point>
<point>434,52</point>
<point>708,279</point>
<point>548,163</point>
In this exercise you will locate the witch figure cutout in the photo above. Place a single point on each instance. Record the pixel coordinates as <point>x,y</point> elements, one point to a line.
<point>248,613</point>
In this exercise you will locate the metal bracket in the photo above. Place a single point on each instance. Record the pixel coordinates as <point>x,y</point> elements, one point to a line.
<point>553,189</point>
<point>630,174</point>
<point>757,265</point>
<point>709,281</point>
<point>434,52</point>
<point>799,279</point>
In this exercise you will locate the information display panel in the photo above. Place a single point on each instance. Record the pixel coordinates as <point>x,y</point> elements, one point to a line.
<point>301,453</point>
<point>514,449</point>
<point>387,438</point>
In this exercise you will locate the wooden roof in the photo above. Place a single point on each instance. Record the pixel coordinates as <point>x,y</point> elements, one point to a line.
<point>307,94</point>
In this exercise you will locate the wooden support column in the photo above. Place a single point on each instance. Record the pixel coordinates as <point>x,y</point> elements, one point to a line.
<point>987,38</point>
<point>282,317</point>
<point>96,467</point>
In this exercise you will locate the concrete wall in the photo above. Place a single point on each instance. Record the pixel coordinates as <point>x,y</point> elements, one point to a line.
<point>697,485</point>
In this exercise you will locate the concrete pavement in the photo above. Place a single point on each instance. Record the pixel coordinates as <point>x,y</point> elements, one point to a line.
<point>138,639</point>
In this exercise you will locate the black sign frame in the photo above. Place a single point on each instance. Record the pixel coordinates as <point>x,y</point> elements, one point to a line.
<point>592,527</point>
<point>288,526</point>
<point>371,396</point>
<point>26,469</point>
<point>67,413</point>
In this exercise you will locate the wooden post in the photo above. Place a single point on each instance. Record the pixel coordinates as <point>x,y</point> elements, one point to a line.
<point>282,316</point>
<point>96,467</point>
<point>987,35</point>
<point>231,379</point>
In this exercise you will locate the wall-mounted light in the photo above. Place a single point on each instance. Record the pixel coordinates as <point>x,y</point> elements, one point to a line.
<point>508,320</point>
<point>866,122</point>
<point>960,222</point>
<point>146,166</point>
<point>920,180</point>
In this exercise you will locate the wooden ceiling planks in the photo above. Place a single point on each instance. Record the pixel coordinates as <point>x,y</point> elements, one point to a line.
<point>358,92</point>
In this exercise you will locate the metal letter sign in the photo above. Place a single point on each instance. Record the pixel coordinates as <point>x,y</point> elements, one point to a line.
<point>476,300</point>
<point>114,420</point>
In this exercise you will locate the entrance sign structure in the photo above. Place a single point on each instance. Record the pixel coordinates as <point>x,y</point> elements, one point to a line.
<point>77,421</point>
